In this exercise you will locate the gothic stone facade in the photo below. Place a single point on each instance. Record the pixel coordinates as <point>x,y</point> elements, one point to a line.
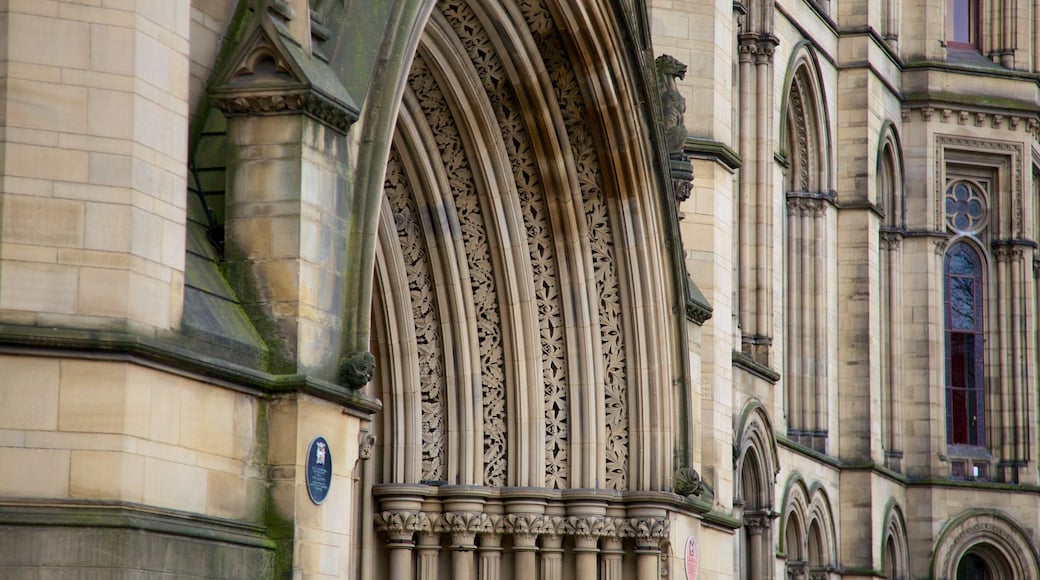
<point>597,290</point>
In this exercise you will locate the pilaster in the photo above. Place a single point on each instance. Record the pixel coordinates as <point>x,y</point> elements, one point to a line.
<point>288,190</point>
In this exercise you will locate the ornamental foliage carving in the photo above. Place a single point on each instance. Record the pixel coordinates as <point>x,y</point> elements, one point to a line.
<point>519,148</point>
<point>583,149</point>
<point>424,311</point>
<point>645,531</point>
<point>478,260</point>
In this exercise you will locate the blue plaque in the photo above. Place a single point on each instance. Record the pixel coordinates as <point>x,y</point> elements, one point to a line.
<point>319,470</point>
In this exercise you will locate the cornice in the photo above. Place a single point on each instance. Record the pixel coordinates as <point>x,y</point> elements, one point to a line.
<point>124,515</point>
<point>701,148</point>
<point>166,353</point>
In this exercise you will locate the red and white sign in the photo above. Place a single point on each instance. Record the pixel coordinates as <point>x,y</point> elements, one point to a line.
<point>692,559</point>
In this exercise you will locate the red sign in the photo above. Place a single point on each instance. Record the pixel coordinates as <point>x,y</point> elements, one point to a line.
<point>692,560</point>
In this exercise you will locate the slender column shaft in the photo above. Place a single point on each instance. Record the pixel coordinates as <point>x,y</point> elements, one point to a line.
<point>1003,316</point>
<point>820,426</point>
<point>794,306</point>
<point>647,564</point>
<point>1018,395</point>
<point>611,560</point>
<point>462,556</point>
<point>895,322</point>
<point>524,556</point>
<point>490,552</point>
<point>746,189</point>
<point>809,290</point>
<point>429,551</point>
<point>755,569</point>
<point>401,567</point>
<point>552,557</point>
<point>585,557</point>
<point>763,203</point>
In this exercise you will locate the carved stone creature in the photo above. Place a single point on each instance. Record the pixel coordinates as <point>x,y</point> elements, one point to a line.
<point>356,368</point>
<point>688,482</point>
<point>673,105</point>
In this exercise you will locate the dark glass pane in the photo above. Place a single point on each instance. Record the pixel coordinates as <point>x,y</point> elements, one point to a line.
<point>961,192</point>
<point>961,21</point>
<point>958,378</point>
<point>964,346</point>
<point>962,303</point>
<point>973,417</point>
<point>959,416</point>
<point>975,208</point>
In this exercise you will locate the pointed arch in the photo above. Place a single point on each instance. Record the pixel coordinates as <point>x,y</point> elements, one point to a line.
<point>757,464</point>
<point>821,535</point>
<point>895,549</point>
<point>535,234</point>
<point>805,138</point>
<point>793,520</point>
<point>890,190</point>
<point>890,195</point>
<point>994,538</point>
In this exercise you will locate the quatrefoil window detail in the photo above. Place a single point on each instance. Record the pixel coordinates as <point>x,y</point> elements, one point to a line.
<point>965,207</point>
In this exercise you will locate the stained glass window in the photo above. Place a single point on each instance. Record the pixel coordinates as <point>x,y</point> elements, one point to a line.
<point>965,422</point>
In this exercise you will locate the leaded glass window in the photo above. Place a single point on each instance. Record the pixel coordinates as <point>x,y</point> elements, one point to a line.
<point>965,421</point>
<point>965,207</point>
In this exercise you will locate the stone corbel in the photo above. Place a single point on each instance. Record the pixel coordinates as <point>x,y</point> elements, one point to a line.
<point>356,369</point>
<point>271,73</point>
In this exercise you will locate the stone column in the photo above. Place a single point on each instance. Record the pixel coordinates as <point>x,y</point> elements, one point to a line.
<point>586,552</point>
<point>429,551</point>
<point>399,527</point>
<point>892,341</point>
<point>758,527</point>
<point>612,555</point>
<point>524,551</point>
<point>552,557</point>
<point>462,549</point>
<point>648,533</point>
<point>490,551</point>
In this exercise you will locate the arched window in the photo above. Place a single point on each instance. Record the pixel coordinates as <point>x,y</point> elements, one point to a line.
<point>965,419</point>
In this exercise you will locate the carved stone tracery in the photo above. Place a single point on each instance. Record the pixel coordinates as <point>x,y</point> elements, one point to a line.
<point>521,155</point>
<point>424,312</point>
<point>478,259</point>
<point>572,105</point>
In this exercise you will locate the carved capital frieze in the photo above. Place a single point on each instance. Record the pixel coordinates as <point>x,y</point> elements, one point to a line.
<point>400,526</point>
<point>646,531</point>
<point>587,526</point>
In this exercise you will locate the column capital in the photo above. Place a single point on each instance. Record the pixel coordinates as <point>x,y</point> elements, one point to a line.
<point>400,526</point>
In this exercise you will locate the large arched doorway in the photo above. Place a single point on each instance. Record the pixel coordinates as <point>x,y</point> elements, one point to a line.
<point>524,296</point>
